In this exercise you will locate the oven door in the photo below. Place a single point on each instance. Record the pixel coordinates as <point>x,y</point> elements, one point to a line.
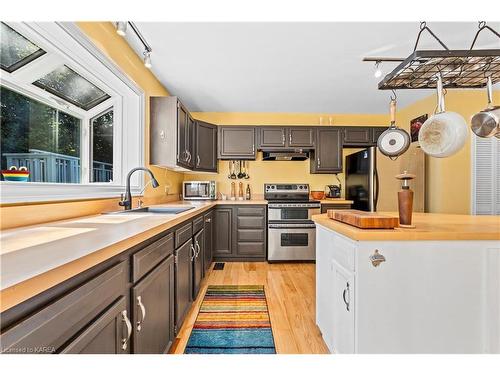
<point>196,190</point>
<point>287,241</point>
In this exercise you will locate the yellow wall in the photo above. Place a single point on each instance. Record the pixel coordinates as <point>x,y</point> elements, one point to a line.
<point>104,36</point>
<point>448,180</point>
<point>279,171</point>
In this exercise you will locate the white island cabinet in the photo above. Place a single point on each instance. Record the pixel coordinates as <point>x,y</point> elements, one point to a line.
<point>425,295</point>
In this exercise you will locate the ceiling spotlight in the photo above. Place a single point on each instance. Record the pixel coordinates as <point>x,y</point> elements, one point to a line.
<point>121,28</point>
<point>147,59</point>
<point>378,71</point>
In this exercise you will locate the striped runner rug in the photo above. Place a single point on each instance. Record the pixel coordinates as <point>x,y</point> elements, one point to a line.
<point>233,319</point>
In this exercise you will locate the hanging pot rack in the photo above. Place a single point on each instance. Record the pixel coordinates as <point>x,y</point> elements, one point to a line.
<point>458,68</point>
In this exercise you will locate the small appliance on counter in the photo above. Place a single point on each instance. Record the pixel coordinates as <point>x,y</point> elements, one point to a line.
<point>199,190</point>
<point>332,191</point>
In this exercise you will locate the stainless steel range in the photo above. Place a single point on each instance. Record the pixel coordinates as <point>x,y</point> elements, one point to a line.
<point>291,232</point>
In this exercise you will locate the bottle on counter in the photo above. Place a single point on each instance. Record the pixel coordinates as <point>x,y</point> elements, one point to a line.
<point>248,194</point>
<point>233,191</point>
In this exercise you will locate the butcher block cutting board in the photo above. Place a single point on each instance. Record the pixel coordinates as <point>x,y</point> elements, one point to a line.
<point>363,219</point>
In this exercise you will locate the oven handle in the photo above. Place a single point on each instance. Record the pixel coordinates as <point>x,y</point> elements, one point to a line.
<point>297,226</point>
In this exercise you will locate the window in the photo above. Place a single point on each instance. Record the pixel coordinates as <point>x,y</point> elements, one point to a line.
<point>15,50</point>
<point>39,137</point>
<point>72,87</point>
<point>485,176</point>
<point>69,115</point>
<point>101,152</point>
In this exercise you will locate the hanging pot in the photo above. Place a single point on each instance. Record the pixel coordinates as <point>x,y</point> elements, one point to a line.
<point>394,141</point>
<point>444,133</point>
<point>486,123</point>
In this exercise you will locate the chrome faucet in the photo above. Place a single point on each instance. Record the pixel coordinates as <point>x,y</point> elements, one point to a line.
<point>126,201</point>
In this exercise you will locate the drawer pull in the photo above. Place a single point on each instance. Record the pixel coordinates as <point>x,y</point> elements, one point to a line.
<point>129,329</point>
<point>376,258</point>
<point>143,312</point>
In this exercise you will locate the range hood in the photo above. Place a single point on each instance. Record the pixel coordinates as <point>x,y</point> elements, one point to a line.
<point>290,155</point>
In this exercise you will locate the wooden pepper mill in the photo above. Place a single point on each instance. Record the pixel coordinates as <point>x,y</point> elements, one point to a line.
<point>405,200</point>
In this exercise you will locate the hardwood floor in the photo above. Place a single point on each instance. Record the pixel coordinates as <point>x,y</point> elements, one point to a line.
<point>290,292</point>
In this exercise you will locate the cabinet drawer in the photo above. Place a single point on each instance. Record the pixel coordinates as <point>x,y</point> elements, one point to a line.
<point>355,135</point>
<point>197,224</point>
<point>251,222</point>
<point>251,211</point>
<point>52,326</point>
<point>252,249</point>
<point>251,235</point>
<point>183,234</point>
<point>343,252</point>
<point>146,259</point>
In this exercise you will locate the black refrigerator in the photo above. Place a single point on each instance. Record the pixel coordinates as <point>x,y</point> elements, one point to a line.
<point>361,179</point>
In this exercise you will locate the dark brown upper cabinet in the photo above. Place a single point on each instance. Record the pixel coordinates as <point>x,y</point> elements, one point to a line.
<point>327,157</point>
<point>276,137</point>
<point>301,137</point>
<point>272,137</point>
<point>354,136</point>
<point>183,133</point>
<point>205,147</point>
<point>236,142</point>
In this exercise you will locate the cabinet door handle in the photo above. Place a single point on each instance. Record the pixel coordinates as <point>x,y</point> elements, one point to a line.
<point>192,252</point>
<point>143,312</point>
<point>348,292</point>
<point>129,329</point>
<point>188,156</point>
<point>197,160</point>
<point>319,162</point>
<point>199,249</point>
<point>208,220</point>
<point>290,138</point>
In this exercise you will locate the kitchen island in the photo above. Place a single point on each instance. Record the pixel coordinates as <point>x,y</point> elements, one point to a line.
<point>431,289</point>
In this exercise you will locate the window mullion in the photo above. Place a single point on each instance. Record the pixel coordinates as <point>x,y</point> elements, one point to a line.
<point>85,150</point>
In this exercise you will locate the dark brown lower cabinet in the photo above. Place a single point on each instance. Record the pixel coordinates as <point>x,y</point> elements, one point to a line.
<point>152,310</point>
<point>208,242</point>
<point>183,274</point>
<point>240,233</point>
<point>109,334</point>
<point>197,262</point>
<point>223,222</point>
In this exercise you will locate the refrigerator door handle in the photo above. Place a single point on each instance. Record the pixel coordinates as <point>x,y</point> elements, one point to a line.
<point>375,200</point>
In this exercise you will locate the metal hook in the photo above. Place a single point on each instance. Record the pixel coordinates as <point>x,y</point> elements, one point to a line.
<point>393,96</point>
<point>481,24</point>
<point>423,25</point>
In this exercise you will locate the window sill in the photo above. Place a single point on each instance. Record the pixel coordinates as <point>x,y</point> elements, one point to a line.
<point>28,192</point>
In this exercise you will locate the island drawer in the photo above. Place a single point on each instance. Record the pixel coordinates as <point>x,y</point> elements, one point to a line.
<point>183,234</point>
<point>146,259</point>
<point>344,251</point>
<point>251,211</point>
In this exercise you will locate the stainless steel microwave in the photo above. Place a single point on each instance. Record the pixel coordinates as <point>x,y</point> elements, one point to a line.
<point>199,190</point>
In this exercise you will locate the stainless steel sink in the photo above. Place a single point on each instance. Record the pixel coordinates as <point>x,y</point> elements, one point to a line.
<point>173,210</point>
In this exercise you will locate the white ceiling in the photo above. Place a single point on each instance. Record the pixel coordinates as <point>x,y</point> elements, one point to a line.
<point>289,67</point>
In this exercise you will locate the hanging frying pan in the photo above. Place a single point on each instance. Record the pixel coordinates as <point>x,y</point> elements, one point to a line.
<point>394,141</point>
<point>486,123</point>
<point>444,133</point>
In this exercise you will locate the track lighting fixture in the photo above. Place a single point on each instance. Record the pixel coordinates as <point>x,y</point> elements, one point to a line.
<point>378,71</point>
<point>121,28</point>
<point>147,59</point>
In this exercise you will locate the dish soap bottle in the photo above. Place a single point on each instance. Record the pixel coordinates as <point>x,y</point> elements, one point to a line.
<point>405,200</point>
<point>248,194</point>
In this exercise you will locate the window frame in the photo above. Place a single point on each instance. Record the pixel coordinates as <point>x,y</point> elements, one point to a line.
<point>91,142</point>
<point>65,43</point>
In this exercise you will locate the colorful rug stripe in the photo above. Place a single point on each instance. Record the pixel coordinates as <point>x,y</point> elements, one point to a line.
<point>233,319</point>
